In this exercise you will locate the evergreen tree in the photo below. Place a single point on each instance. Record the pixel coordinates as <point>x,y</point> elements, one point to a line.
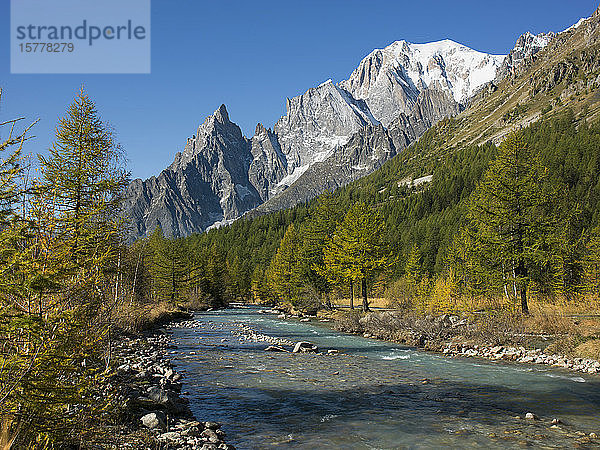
<point>53,269</point>
<point>216,272</point>
<point>357,251</point>
<point>591,261</point>
<point>169,268</point>
<point>414,266</point>
<point>512,223</point>
<point>315,233</point>
<point>83,177</point>
<point>284,271</point>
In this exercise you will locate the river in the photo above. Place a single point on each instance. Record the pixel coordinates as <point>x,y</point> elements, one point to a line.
<point>373,395</point>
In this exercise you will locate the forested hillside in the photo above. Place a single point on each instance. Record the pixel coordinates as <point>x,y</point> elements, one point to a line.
<point>425,218</point>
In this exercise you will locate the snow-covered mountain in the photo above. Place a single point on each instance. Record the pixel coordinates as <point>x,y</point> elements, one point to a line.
<point>330,135</point>
<point>390,80</point>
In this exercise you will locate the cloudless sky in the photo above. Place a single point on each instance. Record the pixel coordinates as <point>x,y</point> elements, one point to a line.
<point>251,55</point>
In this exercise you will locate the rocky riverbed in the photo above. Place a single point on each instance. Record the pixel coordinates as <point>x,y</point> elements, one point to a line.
<point>522,355</point>
<point>149,390</point>
<point>453,336</point>
<point>246,334</point>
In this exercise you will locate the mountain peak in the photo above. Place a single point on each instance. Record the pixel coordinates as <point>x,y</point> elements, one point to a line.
<point>221,114</point>
<point>523,53</point>
<point>390,80</point>
<point>260,128</point>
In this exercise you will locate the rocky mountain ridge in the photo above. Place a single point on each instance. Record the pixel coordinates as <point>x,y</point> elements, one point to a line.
<point>331,135</point>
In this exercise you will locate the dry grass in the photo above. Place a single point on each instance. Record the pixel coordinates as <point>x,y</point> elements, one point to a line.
<point>373,302</point>
<point>8,433</point>
<point>589,349</point>
<point>133,317</point>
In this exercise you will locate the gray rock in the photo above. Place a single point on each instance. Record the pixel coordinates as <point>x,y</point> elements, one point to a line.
<point>305,347</point>
<point>523,54</point>
<point>206,183</point>
<point>364,152</point>
<point>209,446</point>
<point>154,420</point>
<point>210,435</point>
<point>269,164</point>
<point>165,398</point>
<point>158,395</point>
<point>390,80</point>
<point>212,425</point>
<point>170,436</point>
<point>331,135</point>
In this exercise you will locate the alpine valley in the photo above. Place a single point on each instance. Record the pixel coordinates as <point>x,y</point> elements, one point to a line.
<point>331,135</point>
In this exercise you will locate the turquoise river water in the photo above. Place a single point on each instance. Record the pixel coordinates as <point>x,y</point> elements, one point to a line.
<point>372,395</point>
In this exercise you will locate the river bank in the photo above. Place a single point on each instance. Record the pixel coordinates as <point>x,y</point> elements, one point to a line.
<point>153,412</point>
<point>456,336</point>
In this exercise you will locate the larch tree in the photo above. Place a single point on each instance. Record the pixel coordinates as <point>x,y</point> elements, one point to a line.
<point>48,350</point>
<point>168,267</point>
<point>512,224</point>
<point>315,234</point>
<point>357,251</point>
<point>83,177</point>
<point>413,268</point>
<point>284,272</point>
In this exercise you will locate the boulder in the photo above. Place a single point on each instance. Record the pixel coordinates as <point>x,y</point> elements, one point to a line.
<point>210,435</point>
<point>212,425</point>
<point>165,398</point>
<point>158,395</point>
<point>209,446</point>
<point>305,347</point>
<point>170,436</point>
<point>154,421</point>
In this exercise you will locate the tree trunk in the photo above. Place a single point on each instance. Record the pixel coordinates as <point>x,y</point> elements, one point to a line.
<point>173,287</point>
<point>524,307</point>
<point>351,294</point>
<point>522,273</point>
<point>363,288</point>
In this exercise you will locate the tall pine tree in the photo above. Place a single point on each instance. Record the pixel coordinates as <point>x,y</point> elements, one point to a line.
<point>512,222</point>
<point>357,250</point>
<point>284,271</point>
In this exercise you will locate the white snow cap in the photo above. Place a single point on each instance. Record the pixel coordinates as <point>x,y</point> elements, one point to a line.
<point>462,69</point>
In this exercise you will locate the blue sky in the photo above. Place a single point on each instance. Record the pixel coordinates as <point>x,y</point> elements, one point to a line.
<point>251,56</point>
